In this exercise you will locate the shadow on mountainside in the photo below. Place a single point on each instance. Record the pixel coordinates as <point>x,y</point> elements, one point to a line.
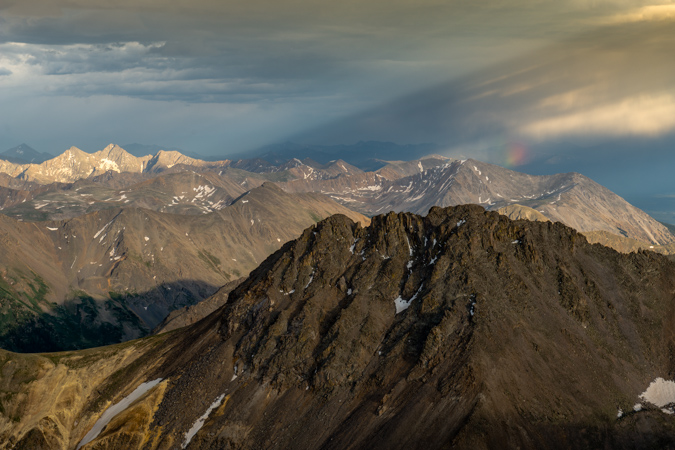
<point>85,322</point>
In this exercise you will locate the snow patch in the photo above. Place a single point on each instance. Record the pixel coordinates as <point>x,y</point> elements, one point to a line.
<point>107,164</point>
<point>115,409</point>
<point>52,229</point>
<point>660,392</point>
<point>146,238</point>
<point>402,305</point>
<point>200,422</point>
<point>101,230</point>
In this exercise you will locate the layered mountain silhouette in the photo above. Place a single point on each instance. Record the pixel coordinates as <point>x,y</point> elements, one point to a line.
<point>461,329</point>
<point>413,186</point>
<point>23,154</point>
<point>75,164</point>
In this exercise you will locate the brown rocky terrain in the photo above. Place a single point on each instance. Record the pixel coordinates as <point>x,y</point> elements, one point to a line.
<point>115,274</point>
<point>462,329</point>
<point>188,315</point>
<point>185,192</point>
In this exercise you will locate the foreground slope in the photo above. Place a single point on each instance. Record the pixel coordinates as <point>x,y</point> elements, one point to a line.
<point>462,329</point>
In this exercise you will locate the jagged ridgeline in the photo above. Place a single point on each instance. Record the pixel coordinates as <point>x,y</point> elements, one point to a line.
<point>461,329</point>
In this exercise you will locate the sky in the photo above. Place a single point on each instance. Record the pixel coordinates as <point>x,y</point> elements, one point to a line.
<point>536,85</point>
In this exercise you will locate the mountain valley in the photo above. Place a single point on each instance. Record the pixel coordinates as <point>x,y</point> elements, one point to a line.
<point>124,270</point>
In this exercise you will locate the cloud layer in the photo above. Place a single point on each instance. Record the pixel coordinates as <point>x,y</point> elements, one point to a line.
<point>158,71</point>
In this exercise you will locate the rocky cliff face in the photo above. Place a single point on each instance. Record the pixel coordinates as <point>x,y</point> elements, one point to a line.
<point>461,329</point>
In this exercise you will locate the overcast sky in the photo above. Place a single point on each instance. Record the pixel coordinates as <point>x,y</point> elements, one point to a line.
<point>217,76</point>
<point>538,85</point>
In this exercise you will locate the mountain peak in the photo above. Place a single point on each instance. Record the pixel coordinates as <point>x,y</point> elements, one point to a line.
<point>24,154</point>
<point>113,151</point>
<point>74,150</point>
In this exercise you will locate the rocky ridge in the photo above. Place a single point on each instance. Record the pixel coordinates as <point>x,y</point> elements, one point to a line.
<point>74,164</point>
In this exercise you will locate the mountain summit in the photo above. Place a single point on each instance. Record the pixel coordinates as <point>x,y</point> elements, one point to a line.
<point>23,154</point>
<point>75,164</point>
<point>461,329</point>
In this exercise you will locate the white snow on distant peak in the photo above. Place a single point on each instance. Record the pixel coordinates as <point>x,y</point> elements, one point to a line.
<point>244,201</point>
<point>461,222</point>
<point>115,409</point>
<point>146,238</point>
<point>52,229</point>
<point>108,164</point>
<point>200,422</point>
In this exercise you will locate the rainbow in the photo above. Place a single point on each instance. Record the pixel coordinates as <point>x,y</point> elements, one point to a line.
<point>516,154</point>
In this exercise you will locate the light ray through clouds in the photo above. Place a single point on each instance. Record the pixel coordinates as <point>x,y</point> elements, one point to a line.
<point>299,63</point>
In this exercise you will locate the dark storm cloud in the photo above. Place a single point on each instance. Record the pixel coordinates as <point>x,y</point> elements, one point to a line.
<point>612,82</point>
<point>282,66</point>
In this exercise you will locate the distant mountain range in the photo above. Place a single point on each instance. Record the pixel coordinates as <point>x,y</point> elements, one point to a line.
<point>413,186</point>
<point>367,155</point>
<point>141,150</point>
<point>461,329</point>
<point>23,154</point>
<point>417,186</point>
<point>74,164</point>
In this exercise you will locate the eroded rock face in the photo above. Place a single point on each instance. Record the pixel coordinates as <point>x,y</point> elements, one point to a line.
<point>460,329</point>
